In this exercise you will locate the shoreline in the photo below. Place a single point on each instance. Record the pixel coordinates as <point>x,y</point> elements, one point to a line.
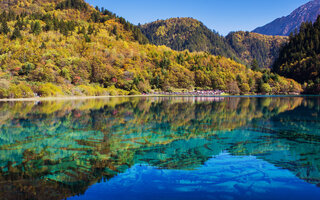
<point>63,98</point>
<point>67,98</point>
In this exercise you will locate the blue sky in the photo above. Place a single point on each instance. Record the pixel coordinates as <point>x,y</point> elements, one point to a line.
<point>222,15</point>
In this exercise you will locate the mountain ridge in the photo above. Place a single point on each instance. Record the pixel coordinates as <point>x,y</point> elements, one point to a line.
<point>189,33</point>
<point>183,33</point>
<point>283,26</point>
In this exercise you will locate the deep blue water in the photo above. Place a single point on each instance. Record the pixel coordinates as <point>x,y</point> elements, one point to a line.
<point>161,148</point>
<point>221,177</point>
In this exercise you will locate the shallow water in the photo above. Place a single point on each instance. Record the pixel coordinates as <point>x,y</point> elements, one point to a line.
<point>161,148</point>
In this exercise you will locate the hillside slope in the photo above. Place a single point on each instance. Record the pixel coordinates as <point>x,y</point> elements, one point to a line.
<point>187,33</point>
<point>286,25</point>
<point>253,46</point>
<point>299,59</point>
<point>70,48</point>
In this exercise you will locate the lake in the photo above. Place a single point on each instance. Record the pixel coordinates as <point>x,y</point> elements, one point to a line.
<point>161,148</point>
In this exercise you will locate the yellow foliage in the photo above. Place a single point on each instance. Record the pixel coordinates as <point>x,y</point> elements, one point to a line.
<point>49,90</point>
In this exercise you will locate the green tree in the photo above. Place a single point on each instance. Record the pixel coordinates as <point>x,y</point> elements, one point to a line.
<point>19,24</point>
<point>87,38</point>
<point>115,30</point>
<point>16,34</point>
<point>299,58</point>
<point>4,28</point>
<point>36,28</point>
<point>82,30</point>
<point>90,29</point>
<point>255,65</point>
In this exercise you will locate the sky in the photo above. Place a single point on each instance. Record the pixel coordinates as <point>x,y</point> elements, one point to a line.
<point>223,16</point>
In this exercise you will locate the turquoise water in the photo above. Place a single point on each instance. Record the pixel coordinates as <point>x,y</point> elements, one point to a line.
<point>161,148</point>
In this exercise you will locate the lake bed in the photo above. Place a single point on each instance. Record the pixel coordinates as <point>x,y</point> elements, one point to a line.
<point>161,148</point>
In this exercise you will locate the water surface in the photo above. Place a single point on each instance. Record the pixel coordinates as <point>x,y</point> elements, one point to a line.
<point>161,148</point>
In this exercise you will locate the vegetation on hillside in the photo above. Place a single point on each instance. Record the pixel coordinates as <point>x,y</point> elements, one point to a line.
<point>299,59</point>
<point>253,46</point>
<point>187,33</point>
<point>69,49</point>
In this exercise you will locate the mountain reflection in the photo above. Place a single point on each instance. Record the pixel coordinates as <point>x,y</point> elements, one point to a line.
<point>54,150</point>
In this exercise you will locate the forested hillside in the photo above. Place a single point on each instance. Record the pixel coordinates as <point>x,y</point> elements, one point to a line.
<point>251,47</point>
<point>57,48</point>
<point>299,59</point>
<point>187,33</point>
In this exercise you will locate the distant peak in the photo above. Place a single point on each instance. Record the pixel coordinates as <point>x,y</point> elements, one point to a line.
<point>285,25</point>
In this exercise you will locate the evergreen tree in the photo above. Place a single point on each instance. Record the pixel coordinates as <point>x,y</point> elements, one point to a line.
<point>115,30</point>
<point>4,28</point>
<point>76,4</point>
<point>95,17</point>
<point>64,31</point>
<point>255,65</point>
<point>11,15</point>
<point>36,28</point>
<point>299,58</point>
<point>82,30</point>
<point>87,38</point>
<point>49,26</point>
<point>19,24</point>
<point>90,30</point>
<point>16,34</point>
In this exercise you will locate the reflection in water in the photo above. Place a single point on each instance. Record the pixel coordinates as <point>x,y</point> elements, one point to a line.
<point>55,150</point>
<point>222,177</point>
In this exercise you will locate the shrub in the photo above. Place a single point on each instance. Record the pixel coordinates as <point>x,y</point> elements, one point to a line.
<point>26,68</point>
<point>233,88</point>
<point>100,91</point>
<point>3,93</point>
<point>93,90</point>
<point>86,90</point>
<point>265,88</point>
<point>19,91</point>
<point>245,88</point>
<point>48,90</point>
<point>113,91</point>
<point>143,87</point>
<point>66,73</point>
<point>26,90</point>
<point>134,92</point>
<point>4,83</point>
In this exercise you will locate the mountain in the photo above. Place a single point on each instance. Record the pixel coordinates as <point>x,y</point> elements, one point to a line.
<point>286,25</point>
<point>67,47</point>
<point>253,46</point>
<point>187,33</point>
<point>299,59</point>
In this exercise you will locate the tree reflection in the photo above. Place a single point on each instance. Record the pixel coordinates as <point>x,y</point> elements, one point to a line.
<point>57,149</point>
